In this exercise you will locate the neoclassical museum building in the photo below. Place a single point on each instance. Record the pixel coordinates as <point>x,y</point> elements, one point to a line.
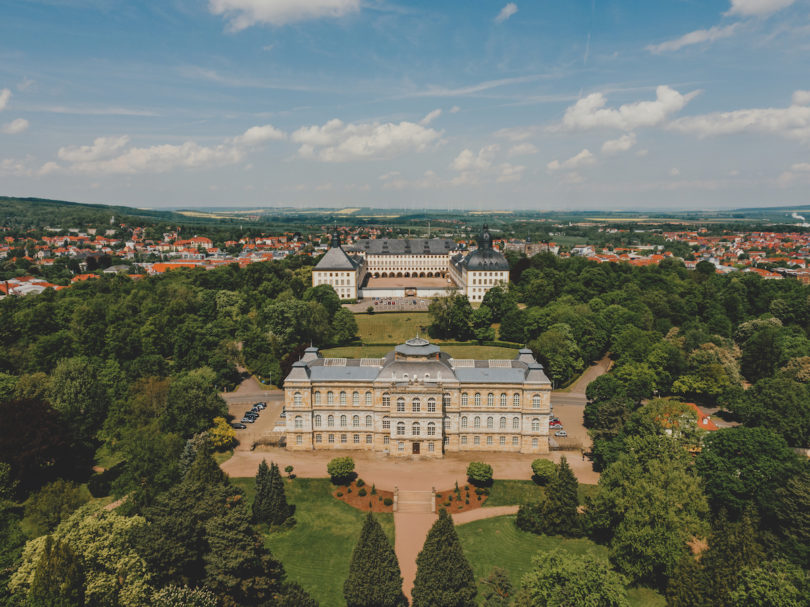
<point>390,267</point>
<point>417,400</point>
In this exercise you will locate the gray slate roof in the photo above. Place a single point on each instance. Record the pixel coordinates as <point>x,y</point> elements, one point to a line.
<point>404,246</point>
<point>336,259</point>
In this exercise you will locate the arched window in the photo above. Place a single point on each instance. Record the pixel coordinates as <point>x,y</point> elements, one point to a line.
<point>415,429</point>
<point>535,425</point>
<point>477,399</point>
<point>464,400</point>
<point>464,422</point>
<point>386,399</point>
<point>536,401</point>
<point>356,399</point>
<point>401,429</point>
<point>431,404</point>
<point>476,422</point>
<point>330,398</point>
<point>297,400</point>
<point>330,421</point>
<point>386,423</point>
<point>416,405</point>
<point>516,400</point>
<point>299,422</point>
<point>502,423</point>
<point>342,421</point>
<point>446,399</point>
<point>515,423</point>
<point>317,398</point>
<point>317,421</point>
<point>342,397</point>
<point>368,399</point>
<point>368,421</point>
<point>355,421</point>
<point>490,400</point>
<point>400,404</point>
<point>503,399</point>
<point>490,422</point>
<point>431,429</point>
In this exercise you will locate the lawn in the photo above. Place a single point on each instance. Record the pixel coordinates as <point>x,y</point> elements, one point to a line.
<point>393,327</point>
<point>480,352</point>
<point>316,552</point>
<point>496,542</point>
<point>512,493</point>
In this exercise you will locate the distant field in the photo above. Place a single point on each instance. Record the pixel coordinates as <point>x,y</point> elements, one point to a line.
<point>391,327</point>
<point>479,352</point>
<point>496,542</point>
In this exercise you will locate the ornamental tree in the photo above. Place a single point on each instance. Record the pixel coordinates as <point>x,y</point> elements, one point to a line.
<point>543,470</point>
<point>341,470</point>
<point>479,474</point>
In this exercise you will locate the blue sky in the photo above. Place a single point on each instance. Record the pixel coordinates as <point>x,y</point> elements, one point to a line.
<point>544,104</point>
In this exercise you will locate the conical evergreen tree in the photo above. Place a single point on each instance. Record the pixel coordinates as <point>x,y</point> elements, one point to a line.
<point>58,579</point>
<point>205,470</point>
<point>374,576</point>
<point>689,586</point>
<point>277,510</point>
<point>262,492</point>
<point>560,516</point>
<point>444,578</point>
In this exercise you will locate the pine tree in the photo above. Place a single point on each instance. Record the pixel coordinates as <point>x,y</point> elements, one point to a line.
<point>444,578</point>
<point>277,510</point>
<point>689,585</point>
<point>374,576</point>
<point>560,516</point>
<point>205,470</point>
<point>262,492</point>
<point>58,579</point>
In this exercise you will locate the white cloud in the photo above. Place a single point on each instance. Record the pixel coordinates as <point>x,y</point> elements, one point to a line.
<point>590,112</point>
<point>506,12</point>
<point>455,109</point>
<point>242,14</point>
<point>431,116</point>
<point>336,141</point>
<point>5,95</point>
<point>522,149</point>
<point>510,172</point>
<point>584,158</point>
<point>14,167</point>
<point>622,144</point>
<point>801,167</point>
<point>801,98</point>
<point>518,133</point>
<point>467,160</point>
<point>15,126</point>
<point>696,37</point>
<point>792,122</point>
<point>758,8</point>
<point>674,172</point>
<point>642,153</point>
<point>110,155</point>
<point>428,181</point>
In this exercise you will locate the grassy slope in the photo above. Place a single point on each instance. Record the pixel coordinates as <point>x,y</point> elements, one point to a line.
<point>512,492</point>
<point>480,352</point>
<point>393,327</point>
<point>317,551</point>
<point>497,542</point>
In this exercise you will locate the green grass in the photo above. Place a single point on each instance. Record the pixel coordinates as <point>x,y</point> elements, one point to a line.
<point>105,458</point>
<point>317,551</point>
<point>515,493</point>
<point>223,456</point>
<point>496,542</point>
<point>480,352</point>
<point>391,327</point>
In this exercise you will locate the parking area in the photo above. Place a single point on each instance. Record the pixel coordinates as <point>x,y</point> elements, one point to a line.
<point>242,399</point>
<point>570,415</point>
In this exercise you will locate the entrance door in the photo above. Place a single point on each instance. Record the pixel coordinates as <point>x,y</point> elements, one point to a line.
<point>415,448</point>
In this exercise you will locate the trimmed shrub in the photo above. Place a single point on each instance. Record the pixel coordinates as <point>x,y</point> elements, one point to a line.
<point>388,501</point>
<point>479,474</point>
<point>362,493</point>
<point>544,471</point>
<point>341,470</point>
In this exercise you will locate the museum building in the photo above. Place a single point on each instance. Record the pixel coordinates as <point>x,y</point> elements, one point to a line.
<point>417,400</point>
<point>422,267</point>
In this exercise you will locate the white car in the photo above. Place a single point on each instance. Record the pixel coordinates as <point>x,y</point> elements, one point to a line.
<point>561,433</point>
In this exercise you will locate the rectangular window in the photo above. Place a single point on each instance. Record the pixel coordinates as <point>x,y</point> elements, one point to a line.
<point>489,440</point>
<point>299,440</point>
<point>401,446</point>
<point>344,438</point>
<point>331,438</point>
<point>430,447</point>
<point>386,440</point>
<point>476,440</point>
<point>463,440</point>
<point>318,438</point>
<point>515,441</point>
<point>368,439</point>
<point>534,443</point>
<point>356,439</point>
<point>503,441</point>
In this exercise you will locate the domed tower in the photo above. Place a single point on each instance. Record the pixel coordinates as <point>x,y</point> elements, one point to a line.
<point>484,268</point>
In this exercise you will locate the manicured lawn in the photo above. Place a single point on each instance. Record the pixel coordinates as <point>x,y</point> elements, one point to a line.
<point>515,493</point>
<point>394,327</point>
<point>480,352</point>
<point>222,457</point>
<point>317,551</point>
<point>496,542</point>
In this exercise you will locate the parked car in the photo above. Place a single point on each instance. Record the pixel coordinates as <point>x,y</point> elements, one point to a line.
<point>238,426</point>
<point>261,406</point>
<point>251,415</point>
<point>256,410</point>
<point>555,425</point>
<point>248,420</point>
<point>554,419</point>
<point>561,433</point>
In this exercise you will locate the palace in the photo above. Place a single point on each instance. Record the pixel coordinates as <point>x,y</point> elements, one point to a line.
<point>422,267</point>
<point>417,400</point>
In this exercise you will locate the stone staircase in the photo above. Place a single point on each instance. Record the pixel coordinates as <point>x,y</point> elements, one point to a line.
<point>414,501</point>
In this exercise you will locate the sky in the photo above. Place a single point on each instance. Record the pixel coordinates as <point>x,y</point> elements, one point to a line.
<point>468,104</point>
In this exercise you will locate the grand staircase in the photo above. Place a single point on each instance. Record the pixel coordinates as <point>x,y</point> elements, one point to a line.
<point>414,501</point>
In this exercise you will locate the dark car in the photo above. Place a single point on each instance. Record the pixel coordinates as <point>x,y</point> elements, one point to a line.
<point>252,414</point>
<point>248,420</point>
<point>238,426</point>
<point>260,405</point>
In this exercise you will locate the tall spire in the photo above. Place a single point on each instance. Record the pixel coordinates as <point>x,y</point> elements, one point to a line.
<point>485,238</point>
<point>335,238</point>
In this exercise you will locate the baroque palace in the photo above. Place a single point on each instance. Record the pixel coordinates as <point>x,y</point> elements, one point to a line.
<point>390,267</point>
<point>417,400</point>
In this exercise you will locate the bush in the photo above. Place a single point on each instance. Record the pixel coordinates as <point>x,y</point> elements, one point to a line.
<point>362,493</point>
<point>348,490</point>
<point>341,470</point>
<point>446,504</point>
<point>360,482</point>
<point>373,489</point>
<point>388,501</point>
<point>544,471</point>
<point>339,493</point>
<point>370,310</point>
<point>479,474</point>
